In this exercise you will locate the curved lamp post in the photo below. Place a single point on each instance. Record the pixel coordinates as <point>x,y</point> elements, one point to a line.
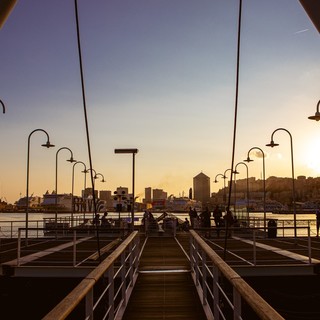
<point>56,188</point>
<point>224,185</point>
<point>272,144</point>
<point>317,114</point>
<point>3,106</point>
<point>133,152</point>
<point>47,145</point>
<point>102,176</point>
<point>84,172</point>
<point>235,173</point>
<point>95,177</point>
<point>264,183</point>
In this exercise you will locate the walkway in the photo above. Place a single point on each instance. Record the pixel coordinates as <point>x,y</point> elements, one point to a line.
<point>164,289</point>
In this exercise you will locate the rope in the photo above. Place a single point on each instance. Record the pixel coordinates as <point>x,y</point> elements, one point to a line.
<point>86,123</point>
<point>235,122</point>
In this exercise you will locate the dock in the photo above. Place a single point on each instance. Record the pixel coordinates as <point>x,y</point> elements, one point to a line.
<point>160,275</point>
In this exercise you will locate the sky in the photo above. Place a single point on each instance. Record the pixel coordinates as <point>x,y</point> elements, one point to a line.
<point>159,76</point>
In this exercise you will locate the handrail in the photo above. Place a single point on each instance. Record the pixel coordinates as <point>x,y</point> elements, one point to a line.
<point>254,300</point>
<point>84,288</point>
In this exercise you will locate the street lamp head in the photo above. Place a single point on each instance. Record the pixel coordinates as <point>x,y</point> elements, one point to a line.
<point>248,159</point>
<point>317,114</point>
<point>103,180</point>
<point>126,151</point>
<point>315,117</point>
<point>235,172</point>
<point>272,144</point>
<point>48,145</point>
<point>215,181</point>
<point>71,160</point>
<point>3,106</point>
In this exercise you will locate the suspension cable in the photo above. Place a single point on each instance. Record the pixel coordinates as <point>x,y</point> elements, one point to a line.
<point>86,124</point>
<point>235,124</point>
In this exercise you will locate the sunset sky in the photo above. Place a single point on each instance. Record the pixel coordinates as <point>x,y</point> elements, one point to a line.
<point>160,77</point>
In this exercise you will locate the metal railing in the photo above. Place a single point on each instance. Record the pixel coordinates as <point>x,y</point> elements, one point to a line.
<point>9,229</point>
<point>223,292</point>
<point>105,291</point>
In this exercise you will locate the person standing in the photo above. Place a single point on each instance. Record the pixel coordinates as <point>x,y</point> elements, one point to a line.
<point>318,221</point>
<point>217,214</point>
<point>229,220</point>
<point>192,215</point>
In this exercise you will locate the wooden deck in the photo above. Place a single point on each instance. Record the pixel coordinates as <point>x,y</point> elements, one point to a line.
<point>164,289</point>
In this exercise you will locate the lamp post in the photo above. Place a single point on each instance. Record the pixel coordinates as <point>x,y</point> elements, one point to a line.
<point>317,114</point>
<point>47,145</point>
<point>119,197</point>
<point>224,184</point>
<point>99,174</point>
<point>133,152</point>
<point>3,106</point>
<point>264,183</point>
<point>272,144</point>
<point>84,172</point>
<point>95,177</point>
<point>56,188</point>
<point>235,173</point>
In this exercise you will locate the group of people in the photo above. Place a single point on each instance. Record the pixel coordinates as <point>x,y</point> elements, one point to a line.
<point>103,222</point>
<point>203,220</point>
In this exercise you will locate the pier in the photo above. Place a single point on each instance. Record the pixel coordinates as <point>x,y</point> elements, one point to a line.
<point>159,274</point>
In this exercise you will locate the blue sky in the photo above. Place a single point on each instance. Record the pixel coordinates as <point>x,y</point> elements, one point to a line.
<point>160,77</point>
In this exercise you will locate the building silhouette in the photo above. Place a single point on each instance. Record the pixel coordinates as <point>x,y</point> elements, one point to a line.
<point>201,189</point>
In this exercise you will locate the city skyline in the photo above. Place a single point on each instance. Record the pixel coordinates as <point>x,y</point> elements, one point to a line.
<point>160,77</point>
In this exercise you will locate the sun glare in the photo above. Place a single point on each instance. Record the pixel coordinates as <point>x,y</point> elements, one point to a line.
<point>312,155</point>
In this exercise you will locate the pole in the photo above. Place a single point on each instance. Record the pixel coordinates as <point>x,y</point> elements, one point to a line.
<point>133,198</point>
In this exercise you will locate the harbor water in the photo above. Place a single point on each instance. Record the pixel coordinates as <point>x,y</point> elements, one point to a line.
<point>11,222</point>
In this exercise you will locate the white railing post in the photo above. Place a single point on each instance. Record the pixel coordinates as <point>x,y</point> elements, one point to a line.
<point>254,248</point>
<point>11,229</point>
<point>216,297</point>
<point>236,304</point>
<point>74,247</point>
<point>191,240</point>
<point>110,273</point>
<point>131,264</point>
<point>89,305</point>
<point>19,247</point>
<point>123,278</point>
<point>309,245</point>
<point>196,262</point>
<point>204,278</point>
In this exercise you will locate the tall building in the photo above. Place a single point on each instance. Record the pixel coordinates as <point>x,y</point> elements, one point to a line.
<point>88,193</point>
<point>148,198</point>
<point>158,194</point>
<point>106,196</point>
<point>201,189</point>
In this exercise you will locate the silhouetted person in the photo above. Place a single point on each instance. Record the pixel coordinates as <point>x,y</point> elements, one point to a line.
<point>192,215</point>
<point>228,218</point>
<point>217,215</point>
<point>96,220</point>
<point>317,221</point>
